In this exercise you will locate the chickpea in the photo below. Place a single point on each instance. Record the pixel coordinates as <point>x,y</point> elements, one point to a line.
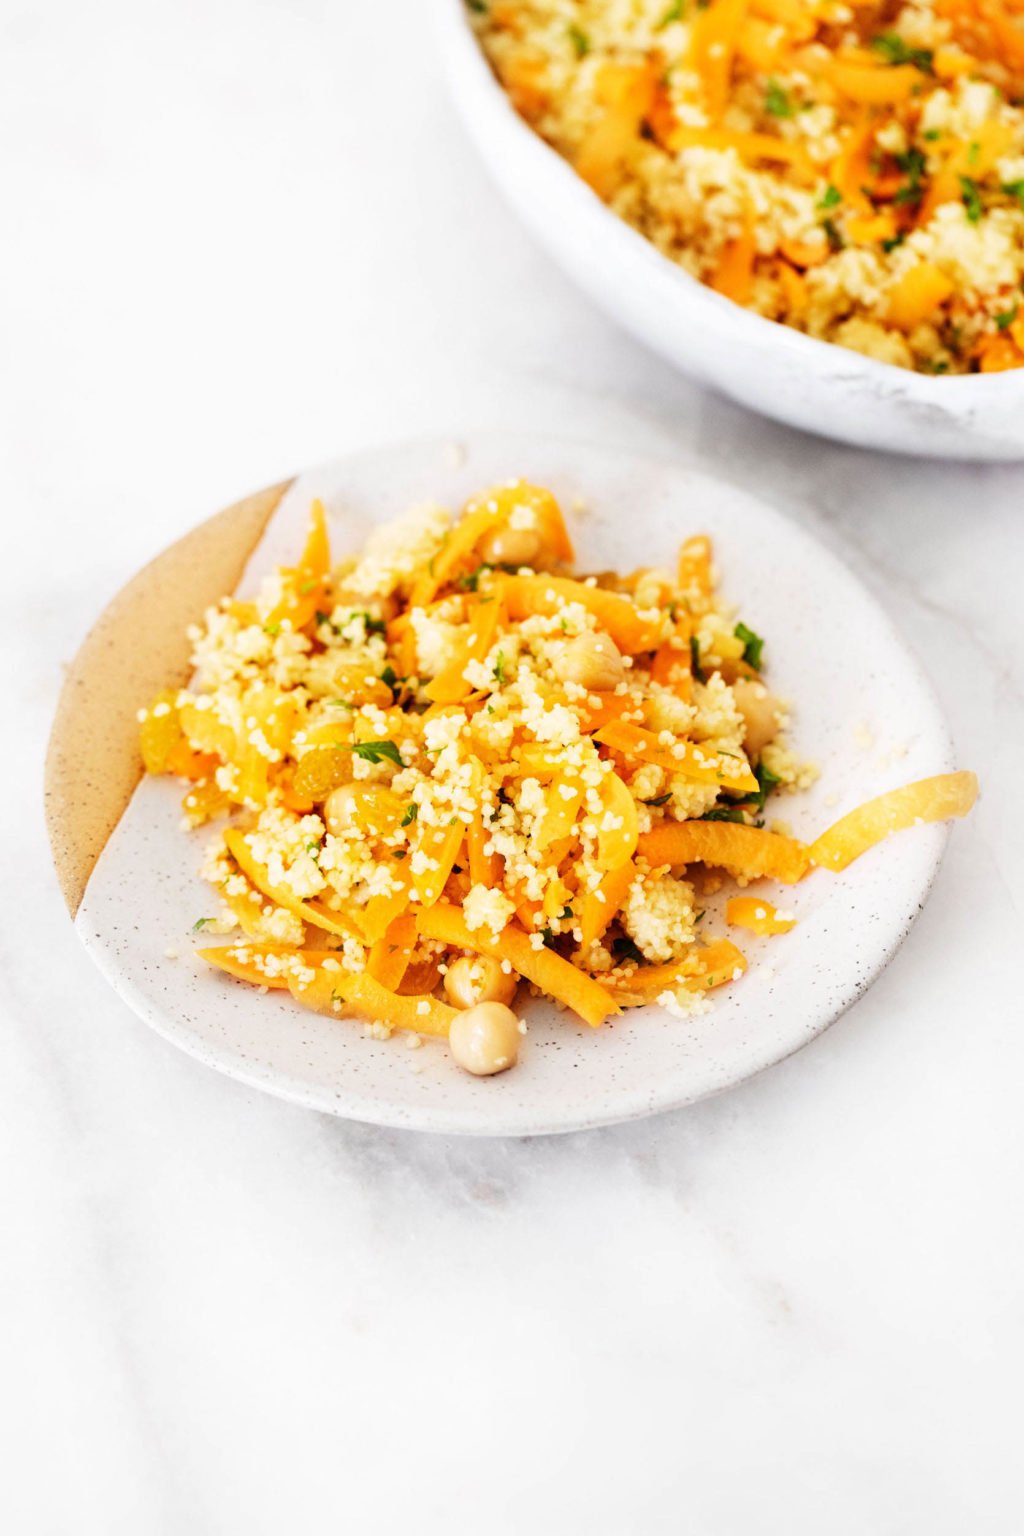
<point>760,711</point>
<point>478,980</point>
<point>510,546</point>
<point>592,659</point>
<point>338,808</point>
<point>485,1039</point>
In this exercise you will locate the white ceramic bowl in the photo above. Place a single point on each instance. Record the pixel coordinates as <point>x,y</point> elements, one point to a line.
<point>864,712</point>
<point>766,366</point>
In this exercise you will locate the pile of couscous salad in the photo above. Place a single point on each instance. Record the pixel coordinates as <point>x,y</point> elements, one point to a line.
<point>851,168</point>
<point>449,772</point>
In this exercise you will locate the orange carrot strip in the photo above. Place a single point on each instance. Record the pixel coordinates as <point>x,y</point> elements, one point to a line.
<point>600,905</point>
<point>935,799</point>
<point>546,969</point>
<point>526,595</point>
<point>748,851</point>
<point>313,912</point>
<point>758,916</point>
<point>389,958</point>
<point>682,757</point>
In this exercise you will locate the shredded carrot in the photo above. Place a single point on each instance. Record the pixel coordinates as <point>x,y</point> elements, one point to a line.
<point>547,970</point>
<point>748,851</point>
<point>686,758</point>
<point>756,914</point>
<point>935,799</point>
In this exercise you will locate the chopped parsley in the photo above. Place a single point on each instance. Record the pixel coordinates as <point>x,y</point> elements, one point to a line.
<point>753,802</point>
<point>412,810</point>
<point>658,799</point>
<point>377,751</point>
<point>201,923</point>
<point>565,914</point>
<point>753,645</point>
<point>830,198</point>
<point>625,949</point>
<point>1015,189</point>
<point>470,580</point>
<point>835,239</point>
<point>579,39</point>
<point>1006,319</point>
<point>499,668</point>
<point>776,100</point>
<point>675,12</point>
<point>972,198</point>
<point>339,704</point>
<point>913,165</point>
<point>695,666</point>
<point>894,50</point>
<point>479,6</point>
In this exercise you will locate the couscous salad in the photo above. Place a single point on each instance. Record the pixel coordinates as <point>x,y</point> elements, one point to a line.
<point>851,168</point>
<point>449,770</point>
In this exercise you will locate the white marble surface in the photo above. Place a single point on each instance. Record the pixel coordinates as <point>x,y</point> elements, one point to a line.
<point>240,238</point>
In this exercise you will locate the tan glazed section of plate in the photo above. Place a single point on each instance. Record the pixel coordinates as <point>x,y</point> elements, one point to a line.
<point>136,647</point>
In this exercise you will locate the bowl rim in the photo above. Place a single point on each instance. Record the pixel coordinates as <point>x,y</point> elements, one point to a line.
<point>956,392</point>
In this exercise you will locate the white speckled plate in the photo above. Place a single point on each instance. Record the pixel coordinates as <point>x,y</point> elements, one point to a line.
<point>863,711</point>
<point>768,367</point>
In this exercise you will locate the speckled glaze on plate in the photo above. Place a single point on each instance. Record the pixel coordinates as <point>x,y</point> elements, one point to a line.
<point>830,650</point>
<point>769,367</point>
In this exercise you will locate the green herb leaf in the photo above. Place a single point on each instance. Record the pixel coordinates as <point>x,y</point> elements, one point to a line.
<point>499,668</point>
<point>399,853</point>
<point>201,923</point>
<point>913,165</point>
<point>339,704</point>
<point>695,666</point>
<point>579,39</point>
<point>1006,319</point>
<point>972,199</point>
<point>753,645</point>
<point>835,239</point>
<point>830,198</point>
<point>565,914</point>
<point>1015,189</point>
<point>724,813</point>
<point>470,580</point>
<point>658,799</point>
<point>412,810</point>
<point>776,101</point>
<point>625,949</point>
<point>675,12</point>
<point>377,751</point>
<point>894,50</point>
